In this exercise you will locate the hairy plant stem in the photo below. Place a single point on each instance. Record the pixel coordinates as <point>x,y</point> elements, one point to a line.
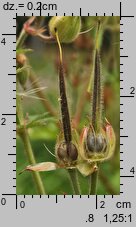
<point>97,105</point>
<point>27,145</point>
<point>73,176</point>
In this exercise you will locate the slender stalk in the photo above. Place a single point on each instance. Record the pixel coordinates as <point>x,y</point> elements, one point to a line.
<point>74,181</point>
<point>97,105</point>
<point>21,39</point>
<point>27,145</point>
<point>97,89</point>
<point>94,179</point>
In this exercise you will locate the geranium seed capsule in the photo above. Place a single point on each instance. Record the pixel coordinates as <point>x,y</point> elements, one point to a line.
<point>100,143</point>
<point>68,27</point>
<point>66,153</point>
<point>96,143</point>
<point>97,146</point>
<point>90,142</point>
<point>61,151</point>
<point>72,152</point>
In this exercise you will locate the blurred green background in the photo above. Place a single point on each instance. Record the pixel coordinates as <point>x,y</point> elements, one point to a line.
<point>78,61</point>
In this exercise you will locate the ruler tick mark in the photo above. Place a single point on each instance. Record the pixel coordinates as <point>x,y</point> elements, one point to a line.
<point>123,56</point>
<point>11,74</point>
<point>11,154</point>
<point>96,202</point>
<point>80,11</point>
<point>7,114</point>
<point>56,198</point>
<point>127,96</point>
<point>16,202</point>
<point>9,34</point>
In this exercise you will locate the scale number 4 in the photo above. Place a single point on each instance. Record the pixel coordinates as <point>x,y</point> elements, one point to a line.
<point>132,170</point>
<point>3,41</point>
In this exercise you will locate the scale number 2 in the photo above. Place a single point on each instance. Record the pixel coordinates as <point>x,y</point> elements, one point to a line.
<point>132,90</point>
<point>3,121</point>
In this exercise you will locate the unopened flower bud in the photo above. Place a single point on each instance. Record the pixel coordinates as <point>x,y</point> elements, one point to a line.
<point>24,73</point>
<point>68,27</point>
<point>21,60</point>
